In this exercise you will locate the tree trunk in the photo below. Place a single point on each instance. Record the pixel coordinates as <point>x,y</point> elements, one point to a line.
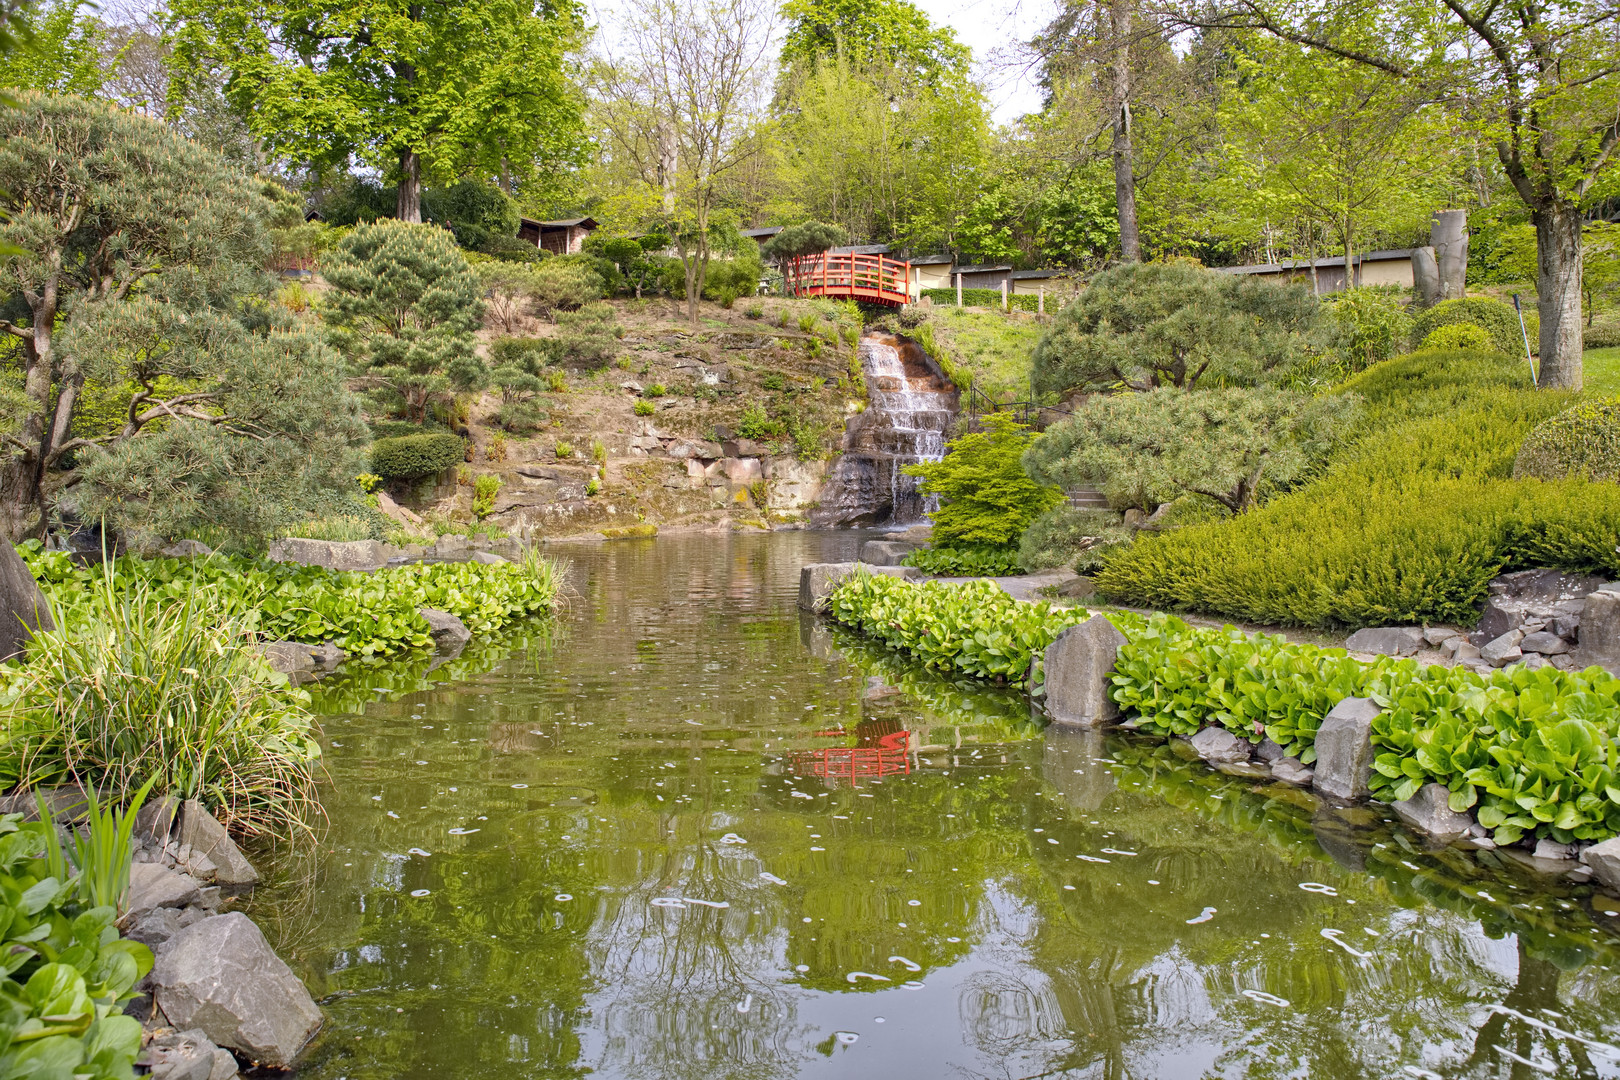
<point>1558,289</point>
<point>409,207</point>
<point>1130,237</point>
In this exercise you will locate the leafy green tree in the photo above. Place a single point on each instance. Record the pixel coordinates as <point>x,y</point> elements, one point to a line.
<point>806,238</point>
<point>1142,326</point>
<point>64,52</point>
<point>477,212</point>
<point>403,308</point>
<point>890,33</point>
<point>419,91</point>
<point>142,266</point>
<point>1144,450</point>
<point>985,495</point>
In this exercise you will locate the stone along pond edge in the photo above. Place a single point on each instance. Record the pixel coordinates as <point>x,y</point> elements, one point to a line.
<point>1530,751</point>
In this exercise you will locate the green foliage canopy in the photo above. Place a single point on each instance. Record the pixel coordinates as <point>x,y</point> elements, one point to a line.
<point>403,308</point>
<point>1582,442</point>
<point>421,91</point>
<point>1146,325</point>
<point>985,495</point>
<point>891,32</point>
<point>142,265</point>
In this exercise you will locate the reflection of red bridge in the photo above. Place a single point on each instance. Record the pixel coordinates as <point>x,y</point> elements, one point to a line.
<point>885,756</point>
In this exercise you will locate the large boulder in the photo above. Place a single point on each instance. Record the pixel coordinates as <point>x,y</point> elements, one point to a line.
<point>1600,627</point>
<point>449,633</point>
<point>1386,640</point>
<point>1429,812</point>
<point>1078,664</point>
<point>201,832</point>
<point>818,580</point>
<point>22,606</point>
<point>332,554</point>
<point>885,552</point>
<point>1344,754</point>
<point>219,975</point>
<point>1604,859</point>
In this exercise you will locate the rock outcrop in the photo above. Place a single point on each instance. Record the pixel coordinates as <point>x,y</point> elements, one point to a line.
<point>1078,664</point>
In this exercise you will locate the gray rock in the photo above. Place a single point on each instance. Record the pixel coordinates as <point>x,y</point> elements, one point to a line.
<point>1218,746</point>
<point>1077,588</point>
<point>818,580</point>
<point>1438,635</point>
<point>1344,749</point>
<point>208,839</point>
<point>288,657</point>
<point>450,544</point>
<point>1078,664</point>
<point>332,554</point>
<point>1551,849</point>
<point>1567,627</point>
<point>489,558</point>
<point>182,1055</point>
<point>1499,617</point>
<point>220,975</point>
<point>1386,640</point>
<point>885,552</point>
<point>1502,650</point>
<point>449,633</point>
<point>1428,812</point>
<point>1604,859</point>
<point>186,549</point>
<point>224,1065</point>
<point>327,656</point>
<point>154,821</point>
<point>1466,650</point>
<point>1544,643</point>
<point>1269,751</point>
<point>155,927</point>
<point>152,886</point>
<point>1292,771</point>
<point>1600,626</point>
<point>1532,662</point>
<point>22,606</point>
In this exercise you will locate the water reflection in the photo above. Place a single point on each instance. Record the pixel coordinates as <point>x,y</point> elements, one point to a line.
<point>690,833</point>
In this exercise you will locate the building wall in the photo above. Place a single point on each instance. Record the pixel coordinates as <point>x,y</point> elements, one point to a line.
<point>569,241</point>
<point>1387,272</point>
<point>985,279</point>
<point>930,276</point>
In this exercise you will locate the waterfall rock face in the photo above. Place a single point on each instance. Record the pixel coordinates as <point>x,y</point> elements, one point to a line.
<point>911,408</point>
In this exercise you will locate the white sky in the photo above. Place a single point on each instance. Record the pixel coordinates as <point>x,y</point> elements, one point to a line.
<point>993,29</point>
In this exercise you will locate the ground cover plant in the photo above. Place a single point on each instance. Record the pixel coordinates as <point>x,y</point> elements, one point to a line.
<point>67,972</point>
<point>1534,753</point>
<point>364,614</point>
<point>973,561</point>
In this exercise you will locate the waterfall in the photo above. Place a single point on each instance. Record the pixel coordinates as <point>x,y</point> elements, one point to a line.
<point>911,405</point>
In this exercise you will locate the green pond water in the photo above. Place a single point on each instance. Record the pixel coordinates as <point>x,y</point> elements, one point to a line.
<point>689,832</point>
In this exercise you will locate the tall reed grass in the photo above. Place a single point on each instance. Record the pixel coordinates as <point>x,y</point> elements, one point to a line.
<point>141,683</point>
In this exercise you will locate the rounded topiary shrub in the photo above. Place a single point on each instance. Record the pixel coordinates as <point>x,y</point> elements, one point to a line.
<point>1499,320</point>
<point>1602,336</point>
<point>1580,442</point>
<point>1463,335</point>
<point>410,457</point>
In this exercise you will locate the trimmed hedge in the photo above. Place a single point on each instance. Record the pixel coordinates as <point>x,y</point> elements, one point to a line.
<point>1462,335</point>
<point>410,457</point>
<point>1499,320</point>
<point>1583,442</point>
<point>990,298</point>
<point>1602,336</point>
<point>1530,752</point>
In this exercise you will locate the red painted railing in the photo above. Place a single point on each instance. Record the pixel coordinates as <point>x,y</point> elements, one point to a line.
<point>871,278</point>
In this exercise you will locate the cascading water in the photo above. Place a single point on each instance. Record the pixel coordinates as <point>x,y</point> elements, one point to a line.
<point>911,407</point>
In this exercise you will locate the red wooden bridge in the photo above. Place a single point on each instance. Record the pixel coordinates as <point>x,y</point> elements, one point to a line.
<point>869,278</point>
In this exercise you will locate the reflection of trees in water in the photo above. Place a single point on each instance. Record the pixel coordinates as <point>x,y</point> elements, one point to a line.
<point>676,980</point>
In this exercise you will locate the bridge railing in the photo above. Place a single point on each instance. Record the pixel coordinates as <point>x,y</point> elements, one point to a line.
<point>849,276</point>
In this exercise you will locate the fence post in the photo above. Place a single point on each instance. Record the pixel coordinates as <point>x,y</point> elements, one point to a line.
<point>1040,301</point>
<point>958,290</point>
<point>1006,305</point>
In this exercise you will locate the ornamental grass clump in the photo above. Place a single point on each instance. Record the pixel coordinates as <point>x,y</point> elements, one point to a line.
<point>142,683</point>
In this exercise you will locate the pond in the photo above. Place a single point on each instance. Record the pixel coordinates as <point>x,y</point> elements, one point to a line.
<point>691,833</point>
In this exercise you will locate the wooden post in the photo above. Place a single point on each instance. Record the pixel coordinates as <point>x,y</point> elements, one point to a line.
<point>958,290</point>
<point>1040,301</point>
<point>1006,305</point>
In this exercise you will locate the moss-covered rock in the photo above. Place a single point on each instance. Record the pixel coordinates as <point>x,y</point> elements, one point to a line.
<point>1580,442</point>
